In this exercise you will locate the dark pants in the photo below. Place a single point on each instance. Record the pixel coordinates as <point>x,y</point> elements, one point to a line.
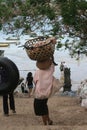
<point>7,104</point>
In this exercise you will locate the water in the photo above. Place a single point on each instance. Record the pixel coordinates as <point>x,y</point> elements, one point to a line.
<point>19,56</point>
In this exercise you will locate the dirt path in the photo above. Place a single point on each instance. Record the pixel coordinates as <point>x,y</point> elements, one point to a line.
<point>66,113</point>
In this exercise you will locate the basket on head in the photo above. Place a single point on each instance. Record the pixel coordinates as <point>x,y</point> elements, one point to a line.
<point>40,49</point>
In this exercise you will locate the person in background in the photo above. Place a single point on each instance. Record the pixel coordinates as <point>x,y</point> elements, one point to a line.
<point>82,94</point>
<point>23,88</point>
<point>8,104</point>
<point>43,80</point>
<point>29,82</point>
<point>62,67</point>
<point>8,99</point>
<point>62,71</point>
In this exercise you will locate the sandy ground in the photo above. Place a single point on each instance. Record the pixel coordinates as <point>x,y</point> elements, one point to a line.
<point>66,113</point>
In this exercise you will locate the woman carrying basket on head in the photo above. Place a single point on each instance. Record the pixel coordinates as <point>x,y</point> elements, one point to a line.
<point>43,80</point>
<point>43,83</point>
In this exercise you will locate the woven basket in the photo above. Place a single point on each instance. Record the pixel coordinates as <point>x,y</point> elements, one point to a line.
<point>39,49</point>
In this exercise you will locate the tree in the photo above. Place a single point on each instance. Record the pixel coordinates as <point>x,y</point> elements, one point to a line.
<point>74,13</point>
<point>39,13</point>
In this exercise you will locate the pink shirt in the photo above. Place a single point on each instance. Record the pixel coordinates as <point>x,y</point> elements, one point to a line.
<point>43,82</point>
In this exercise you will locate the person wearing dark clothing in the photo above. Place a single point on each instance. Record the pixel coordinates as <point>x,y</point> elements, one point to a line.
<point>61,67</point>
<point>23,88</point>
<point>8,104</point>
<point>29,82</point>
<point>10,96</point>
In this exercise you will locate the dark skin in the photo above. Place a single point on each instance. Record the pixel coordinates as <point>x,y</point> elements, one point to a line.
<point>46,120</point>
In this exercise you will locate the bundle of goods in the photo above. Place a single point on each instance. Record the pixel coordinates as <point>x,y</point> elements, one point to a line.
<point>41,48</point>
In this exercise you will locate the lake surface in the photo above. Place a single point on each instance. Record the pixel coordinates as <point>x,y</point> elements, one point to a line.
<point>19,56</point>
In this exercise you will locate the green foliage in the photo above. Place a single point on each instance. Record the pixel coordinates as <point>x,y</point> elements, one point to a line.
<point>17,24</point>
<point>69,12</point>
<point>0,26</point>
<point>19,2</point>
<point>55,29</point>
<point>82,5</point>
<point>38,2</point>
<point>50,13</point>
<point>59,45</point>
<point>10,3</point>
<point>73,12</point>
<point>27,27</point>
<point>24,9</point>
<point>60,1</point>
